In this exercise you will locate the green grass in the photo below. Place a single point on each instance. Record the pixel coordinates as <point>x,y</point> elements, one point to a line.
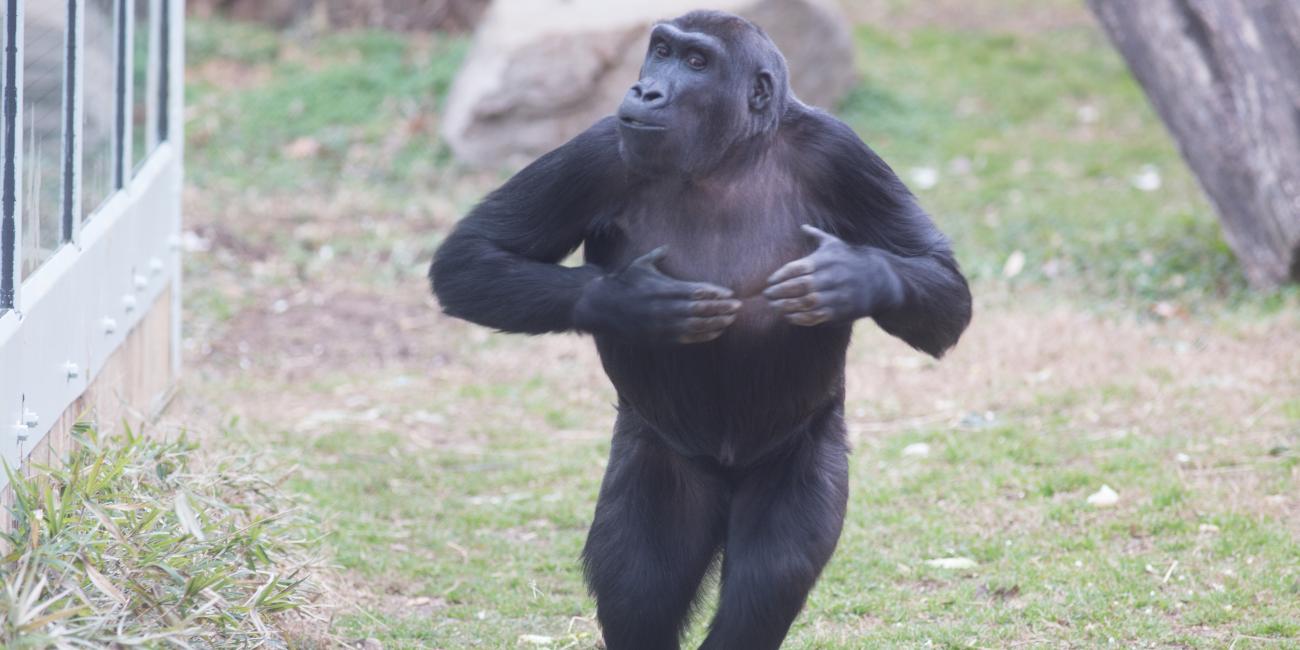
<point>490,531</point>
<point>1041,180</point>
<point>347,92</point>
<point>461,528</point>
<point>131,543</point>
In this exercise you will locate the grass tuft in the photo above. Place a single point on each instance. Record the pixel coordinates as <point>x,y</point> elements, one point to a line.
<point>130,542</point>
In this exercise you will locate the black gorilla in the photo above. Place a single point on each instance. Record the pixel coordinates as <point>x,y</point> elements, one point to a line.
<point>732,237</point>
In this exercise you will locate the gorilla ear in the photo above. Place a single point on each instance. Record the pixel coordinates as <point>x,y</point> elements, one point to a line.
<point>761,95</point>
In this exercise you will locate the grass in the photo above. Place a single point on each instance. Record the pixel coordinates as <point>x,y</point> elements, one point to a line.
<point>343,92</point>
<point>130,543</point>
<point>457,469</point>
<point>1035,140</point>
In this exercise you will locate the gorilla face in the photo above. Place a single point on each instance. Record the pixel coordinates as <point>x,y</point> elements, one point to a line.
<point>689,106</point>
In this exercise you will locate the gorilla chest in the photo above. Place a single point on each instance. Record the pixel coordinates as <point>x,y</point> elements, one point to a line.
<point>734,237</point>
<point>779,372</point>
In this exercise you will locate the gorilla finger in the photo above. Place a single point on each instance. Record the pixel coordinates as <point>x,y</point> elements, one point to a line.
<point>713,324</point>
<point>802,266</point>
<point>714,307</point>
<point>670,289</point>
<point>790,288</point>
<point>806,302</point>
<point>704,291</point>
<point>651,259</point>
<point>820,235</point>
<point>809,318</point>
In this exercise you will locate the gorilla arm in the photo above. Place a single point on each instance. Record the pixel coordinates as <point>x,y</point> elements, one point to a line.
<point>500,266</point>
<point>879,255</point>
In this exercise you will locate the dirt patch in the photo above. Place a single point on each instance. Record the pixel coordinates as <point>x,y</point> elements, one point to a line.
<point>1109,376</point>
<point>295,334</point>
<point>229,75</point>
<point>1163,377</point>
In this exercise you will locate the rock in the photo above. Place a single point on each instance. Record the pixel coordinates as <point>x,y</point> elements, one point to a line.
<point>542,71</point>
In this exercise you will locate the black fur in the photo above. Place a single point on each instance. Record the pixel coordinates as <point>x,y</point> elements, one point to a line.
<point>730,434</point>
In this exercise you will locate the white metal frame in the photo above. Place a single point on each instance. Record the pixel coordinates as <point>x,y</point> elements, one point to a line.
<point>76,309</point>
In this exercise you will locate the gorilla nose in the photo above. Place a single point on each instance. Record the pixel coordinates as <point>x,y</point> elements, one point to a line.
<point>649,95</point>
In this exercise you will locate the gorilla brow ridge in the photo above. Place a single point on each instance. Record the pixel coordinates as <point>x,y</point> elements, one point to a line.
<point>749,45</point>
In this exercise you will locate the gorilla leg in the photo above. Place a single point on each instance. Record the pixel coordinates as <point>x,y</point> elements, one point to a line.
<point>658,525</point>
<point>785,520</point>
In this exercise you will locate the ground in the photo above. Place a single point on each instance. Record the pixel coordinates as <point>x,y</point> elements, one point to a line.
<point>455,470</point>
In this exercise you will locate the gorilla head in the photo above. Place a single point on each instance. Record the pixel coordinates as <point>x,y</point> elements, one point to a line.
<point>711,81</point>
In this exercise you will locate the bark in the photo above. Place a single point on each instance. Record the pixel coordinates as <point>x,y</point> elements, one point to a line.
<point>1224,75</point>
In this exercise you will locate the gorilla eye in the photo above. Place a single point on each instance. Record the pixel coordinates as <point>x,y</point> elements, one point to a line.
<point>696,61</point>
<point>661,51</point>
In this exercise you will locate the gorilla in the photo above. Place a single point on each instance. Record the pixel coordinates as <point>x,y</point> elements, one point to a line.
<point>731,236</point>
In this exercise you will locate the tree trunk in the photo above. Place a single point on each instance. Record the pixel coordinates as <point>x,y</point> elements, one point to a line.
<point>1224,75</point>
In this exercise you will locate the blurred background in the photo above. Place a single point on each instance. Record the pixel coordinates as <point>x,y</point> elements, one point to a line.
<point>1108,458</point>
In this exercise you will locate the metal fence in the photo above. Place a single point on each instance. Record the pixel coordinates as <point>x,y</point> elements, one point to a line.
<point>90,194</point>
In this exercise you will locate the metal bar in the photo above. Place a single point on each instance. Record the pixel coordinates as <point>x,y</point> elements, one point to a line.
<point>173,23</point>
<point>72,98</point>
<point>164,67</point>
<point>152,67</point>
<point>122,132</point>
<point>10,188</point>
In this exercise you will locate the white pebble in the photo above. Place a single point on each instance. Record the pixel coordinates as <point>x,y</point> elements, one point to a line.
<point>1014,265</point>
<point>917,449</point>
<point>925,178</point>
<point>1147,179</point>
<point>1103,498</point>
<point>952,563</point>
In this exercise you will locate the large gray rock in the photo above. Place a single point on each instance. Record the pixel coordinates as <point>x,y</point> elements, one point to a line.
<point>542,71</point>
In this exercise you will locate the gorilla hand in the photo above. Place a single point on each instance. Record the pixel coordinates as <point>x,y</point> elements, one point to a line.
<point>641,304</point>
<point>836,283</point>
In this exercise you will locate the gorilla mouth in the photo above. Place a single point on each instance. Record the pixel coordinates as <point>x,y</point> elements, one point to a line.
<point>632,123</point>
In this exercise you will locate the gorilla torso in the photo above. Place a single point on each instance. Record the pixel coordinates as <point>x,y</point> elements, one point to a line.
<point>734,233</point>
